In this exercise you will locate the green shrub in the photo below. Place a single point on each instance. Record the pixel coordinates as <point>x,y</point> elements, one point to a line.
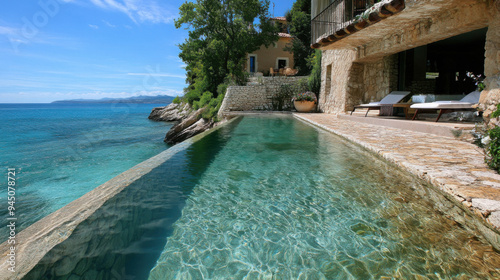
<point>213,108</point>
<point>301,86</point>
<point>314,81</point>
<point>493,148</point>
<point>204,100</point>
<point>283,98</point>
<point>196,93</point>
<point>176,100</point>
<point>221,89</point>
<point>491,143</point>
<point>496,114</point>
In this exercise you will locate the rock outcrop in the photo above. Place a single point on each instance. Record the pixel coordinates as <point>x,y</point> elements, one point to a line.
<point>176,135</point>
<point>189,122</point>
<point>171,113</point>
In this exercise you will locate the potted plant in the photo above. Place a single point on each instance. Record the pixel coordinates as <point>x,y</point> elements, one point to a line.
<point>304,102</point>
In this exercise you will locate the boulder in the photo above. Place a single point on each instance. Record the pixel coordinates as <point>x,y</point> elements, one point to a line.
<point>189,124</point>
<point>171,113</point>
<point>185,123</point>
<point>198,127</point>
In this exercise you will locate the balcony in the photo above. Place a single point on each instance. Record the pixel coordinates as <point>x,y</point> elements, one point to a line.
<point>344,17</point>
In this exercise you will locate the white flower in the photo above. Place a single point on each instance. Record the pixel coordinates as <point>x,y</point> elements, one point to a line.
<point>486,140</point>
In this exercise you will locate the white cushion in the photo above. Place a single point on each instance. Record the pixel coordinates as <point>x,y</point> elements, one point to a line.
<point>392,98</point>
<point>443,105</point>
<point>472,97</point>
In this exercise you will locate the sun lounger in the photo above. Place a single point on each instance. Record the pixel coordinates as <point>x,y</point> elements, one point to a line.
<point>464,104</point>
<point>392,98</point>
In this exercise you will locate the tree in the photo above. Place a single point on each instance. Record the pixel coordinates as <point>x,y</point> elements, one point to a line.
<point>299,19</point>
<point>221,33</point>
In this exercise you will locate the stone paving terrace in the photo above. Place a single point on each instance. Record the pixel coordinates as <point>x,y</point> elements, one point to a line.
<point>455,167</point>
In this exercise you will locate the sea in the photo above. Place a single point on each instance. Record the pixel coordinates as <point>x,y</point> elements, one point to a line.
<point>52,154</point>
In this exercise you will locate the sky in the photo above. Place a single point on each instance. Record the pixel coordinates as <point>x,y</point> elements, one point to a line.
<point>90,49</point>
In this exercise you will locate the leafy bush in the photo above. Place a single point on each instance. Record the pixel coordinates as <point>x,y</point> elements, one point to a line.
<point>195,94</point>
<point>213,108</point>
<point>176,100</point>
<point>314,81</point>
<point>198,96</point>
<point>204,100</point>
<point>492,142</point>
<point>282,99</point>
<point>300,86</point>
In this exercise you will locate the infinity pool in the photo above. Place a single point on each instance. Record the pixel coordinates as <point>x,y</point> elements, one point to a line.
<point>272,198</point>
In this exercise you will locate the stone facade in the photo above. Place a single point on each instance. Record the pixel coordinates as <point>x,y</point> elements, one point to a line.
<point>380,78</point>
<point>256,95</point>
<point>338,67</point>
<point>490,97</point>
<point>364,82</point>
<point>364,65</point>
<point>266,58</point>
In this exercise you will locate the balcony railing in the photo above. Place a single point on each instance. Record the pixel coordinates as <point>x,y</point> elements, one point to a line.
<point>338,15</point>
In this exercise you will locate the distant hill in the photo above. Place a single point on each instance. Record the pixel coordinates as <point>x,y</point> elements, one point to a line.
<point>159,99</point>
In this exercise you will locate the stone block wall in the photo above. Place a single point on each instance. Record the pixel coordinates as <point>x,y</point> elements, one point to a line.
<point>339,66</point>
<point>380,78</point>
<point>245,98</point>
<point>256,95</point>
<point>490,97</point>
<point>346,83</point>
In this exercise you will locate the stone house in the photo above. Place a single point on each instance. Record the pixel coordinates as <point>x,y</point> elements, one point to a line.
<point>263,59</point>
<point>424,46</point>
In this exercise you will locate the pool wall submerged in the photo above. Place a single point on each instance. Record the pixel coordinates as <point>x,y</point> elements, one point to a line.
<point>457,211</point>
<point>34,243</point>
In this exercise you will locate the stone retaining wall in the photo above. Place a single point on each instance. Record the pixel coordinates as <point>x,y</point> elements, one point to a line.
<point>256,95</point>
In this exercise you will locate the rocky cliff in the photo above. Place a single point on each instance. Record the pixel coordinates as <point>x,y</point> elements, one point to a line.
<point>188,121</point>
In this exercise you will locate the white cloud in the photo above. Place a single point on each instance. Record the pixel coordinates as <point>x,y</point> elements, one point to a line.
<point>139,10</point>
<point>158,75</point>
<point>109,24</point>
<point>93,26</point>
<point>4,30</point>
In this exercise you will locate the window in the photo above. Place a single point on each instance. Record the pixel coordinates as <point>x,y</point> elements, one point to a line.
<point>281,63</point>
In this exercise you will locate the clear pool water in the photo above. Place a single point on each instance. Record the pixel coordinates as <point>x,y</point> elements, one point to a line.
<point>273,198</point>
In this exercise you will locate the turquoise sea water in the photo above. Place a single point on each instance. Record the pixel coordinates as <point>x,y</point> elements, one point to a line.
<point>62,151</point>
<point>272,198</point>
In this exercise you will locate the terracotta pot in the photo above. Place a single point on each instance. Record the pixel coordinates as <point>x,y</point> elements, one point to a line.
<point>304,106</point>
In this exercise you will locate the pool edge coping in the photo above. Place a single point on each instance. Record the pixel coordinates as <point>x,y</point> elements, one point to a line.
<point>35,241</point>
